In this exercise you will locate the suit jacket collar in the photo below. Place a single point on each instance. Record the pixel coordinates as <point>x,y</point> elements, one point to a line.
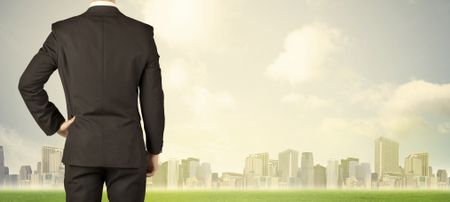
<point>102,10</point>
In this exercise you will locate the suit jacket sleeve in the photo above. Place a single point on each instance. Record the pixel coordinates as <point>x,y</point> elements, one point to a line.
<point>31,87</point>
<point>152,101</point>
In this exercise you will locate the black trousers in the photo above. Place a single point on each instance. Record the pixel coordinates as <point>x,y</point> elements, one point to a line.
<point>85,184</point>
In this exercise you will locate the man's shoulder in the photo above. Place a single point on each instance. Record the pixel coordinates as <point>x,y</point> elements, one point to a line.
<point>75,19</point>
<point>65,21</point>
<point>139,23</point>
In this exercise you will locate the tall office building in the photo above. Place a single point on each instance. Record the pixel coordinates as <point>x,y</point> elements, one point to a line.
<point>2,166</point>
<point>426,169</point>
<point>349,167</point>
<point>442,176</point>
<point>172,173</point>
<point>320,176</point>
<point>273,168</point>
<point>51,159</point>
<point>333,174</point>
<point>25,173</point>
<point>204,174</point>
<point>413,165</point>
<point>190,166</point>
<point>160,177</point>
<point>253,166</point>
<point>364,174</point>
<point>288,163</point>
<point>386,156</point>
<point>265,162</point>
<point>307,169</point>
<point>39,167</point>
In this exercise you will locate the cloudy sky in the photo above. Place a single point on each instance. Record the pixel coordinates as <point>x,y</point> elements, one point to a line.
<point>253,76</point>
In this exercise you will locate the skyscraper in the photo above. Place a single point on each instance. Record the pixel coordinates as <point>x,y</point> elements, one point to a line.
<point>25,173</point>
<point>172,173</point>
<point>307,169</point>
<point>204,174</point>
<point>442,176</point>
<point>320,176</point>
<point>333,174</point>
<point>189,167</point>
<point>273,168</point>
<point>364,174</point>
<point>253,166</point>
<point>51,159</point>
<point>2,166</point>
<point>386,156</point>
<point>349,166</point>
<point>288,163</point>
<point>265,162</point>
<point>426,171</point>
<point>413,165</point>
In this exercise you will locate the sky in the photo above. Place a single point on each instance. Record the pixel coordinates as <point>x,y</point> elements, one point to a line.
<point>243,77</point>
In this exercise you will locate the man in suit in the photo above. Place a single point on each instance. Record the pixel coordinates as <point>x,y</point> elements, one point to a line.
<point>106,61</point>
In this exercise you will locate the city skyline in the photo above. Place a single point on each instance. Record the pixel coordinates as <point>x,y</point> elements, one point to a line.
<point>371,161</point>
<point>291,169</point>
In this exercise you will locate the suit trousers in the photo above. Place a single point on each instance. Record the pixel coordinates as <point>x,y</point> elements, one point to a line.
<point>85,184</point>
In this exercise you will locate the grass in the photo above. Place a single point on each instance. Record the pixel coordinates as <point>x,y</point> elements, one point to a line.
<point>244,196</point>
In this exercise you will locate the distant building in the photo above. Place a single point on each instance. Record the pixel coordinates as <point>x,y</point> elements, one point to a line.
<point>159,179</point>
<point>349,167</point>
<point>2,166</point>
<point>442,178</point>
<point>288,163</point>
<point>232,180</point>
<point>386,156</point>
<point>204,174</point>
<point>265,162</point>
<point>332,174</point>
<point>364,175</point>
<point>374,179</point>
<point>413,165</point>
<point>189,169</point>
<point>51,160</point>
<point>417,171</point>
<point>172,173</point>
<point>307,169</point>
<point>273,166</point>
<point>253,166</point>
<point>320,176</point>
<point>215,180</point>
<point>25,172</point>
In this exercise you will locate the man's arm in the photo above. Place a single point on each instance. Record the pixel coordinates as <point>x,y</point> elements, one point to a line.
<point>152,101</point>
<point>31,87</point>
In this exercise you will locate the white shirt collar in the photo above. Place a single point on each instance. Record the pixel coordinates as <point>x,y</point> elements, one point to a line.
<point>102,3</point>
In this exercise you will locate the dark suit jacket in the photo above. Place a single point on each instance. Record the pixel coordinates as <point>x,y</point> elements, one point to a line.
<point>105,60</point>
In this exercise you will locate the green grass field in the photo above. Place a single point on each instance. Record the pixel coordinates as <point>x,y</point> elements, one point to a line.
<point>245,196</point>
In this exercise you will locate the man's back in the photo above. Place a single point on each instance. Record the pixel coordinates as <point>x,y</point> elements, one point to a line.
<point>103,58</point>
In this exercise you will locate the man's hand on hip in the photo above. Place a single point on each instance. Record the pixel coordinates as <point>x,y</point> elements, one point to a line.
<point>152,164</point>
<point>64,128</point>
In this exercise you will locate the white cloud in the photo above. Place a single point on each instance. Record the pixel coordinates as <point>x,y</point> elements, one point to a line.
<point>206,106</point>
<point>306,102</point>
<point>344,128</point>
<point>175,75</point>
<point>182,23</point>
<point>417,106</point>
<point>372,98</point>
<point>305,51</point>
